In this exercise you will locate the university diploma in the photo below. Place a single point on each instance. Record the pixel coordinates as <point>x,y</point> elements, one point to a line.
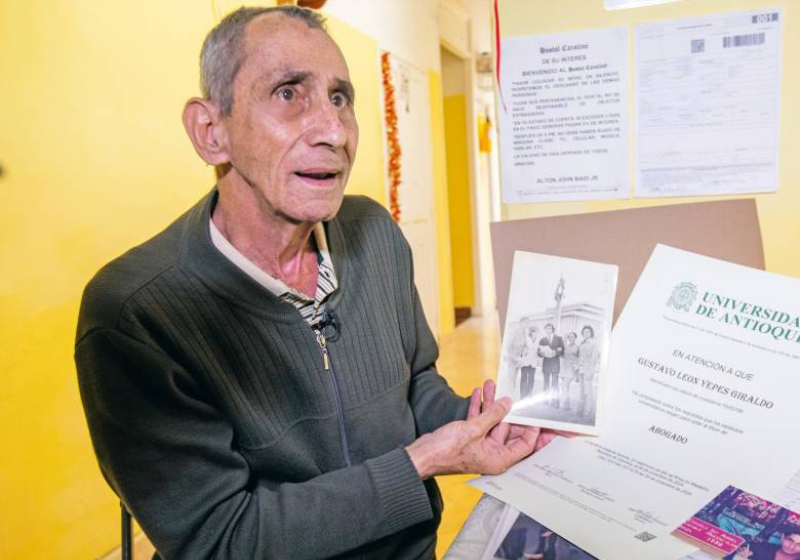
<point>703,388</point>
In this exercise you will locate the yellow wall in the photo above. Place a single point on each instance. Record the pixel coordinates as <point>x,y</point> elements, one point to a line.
<point>361,52</point>
<point>779,213</point>
<point>455,119</point>
<point>441,213</point>
<point>96,160</point>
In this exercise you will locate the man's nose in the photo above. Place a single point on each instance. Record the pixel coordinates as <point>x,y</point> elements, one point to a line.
<point>327,126</point>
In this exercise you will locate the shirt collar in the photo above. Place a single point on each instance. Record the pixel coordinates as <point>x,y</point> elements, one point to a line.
<point>274,285</point>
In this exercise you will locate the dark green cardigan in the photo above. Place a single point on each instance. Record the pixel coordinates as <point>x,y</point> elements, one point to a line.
<point>212,415</point>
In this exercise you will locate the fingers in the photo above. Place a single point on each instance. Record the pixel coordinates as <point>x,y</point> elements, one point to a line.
<point>474,403</point>
<point>565,434</point>
<point>524,445</point>
<point>492,415</point>
<point>544,438</point>
<point>481,398</point>
<point>506,454</point>
<point>549,435</point>
<point>489,389</point>
<point>500,432</point>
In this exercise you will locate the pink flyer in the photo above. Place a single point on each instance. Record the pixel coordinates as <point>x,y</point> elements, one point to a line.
<point>737,525</point>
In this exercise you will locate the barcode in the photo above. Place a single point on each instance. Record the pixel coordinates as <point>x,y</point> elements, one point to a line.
<point>765,18</point>
<point>644,536</point>
<point>743,40</point>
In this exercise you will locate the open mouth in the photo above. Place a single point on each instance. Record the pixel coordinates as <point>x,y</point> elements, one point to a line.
<point>316,176</point>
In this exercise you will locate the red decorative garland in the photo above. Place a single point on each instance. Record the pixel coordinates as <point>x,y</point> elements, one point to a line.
<point>391,137</point>
<point>497,50</point>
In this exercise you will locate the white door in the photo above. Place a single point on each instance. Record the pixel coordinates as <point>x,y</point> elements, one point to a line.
<point>416,197</point>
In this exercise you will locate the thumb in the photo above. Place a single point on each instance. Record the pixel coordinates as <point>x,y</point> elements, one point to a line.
<point>492,414</point>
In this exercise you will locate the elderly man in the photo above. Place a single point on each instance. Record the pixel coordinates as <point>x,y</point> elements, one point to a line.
<point>259,379</point>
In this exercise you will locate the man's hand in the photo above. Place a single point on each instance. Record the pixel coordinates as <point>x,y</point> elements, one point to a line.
<point>505,431</point>
<point>482,444</point>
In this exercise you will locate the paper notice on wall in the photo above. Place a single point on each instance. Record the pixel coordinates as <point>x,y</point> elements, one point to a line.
<point>564,120</point>
<point>707,104</point>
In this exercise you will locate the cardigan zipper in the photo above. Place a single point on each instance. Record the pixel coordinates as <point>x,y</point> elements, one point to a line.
<point>326,362</point>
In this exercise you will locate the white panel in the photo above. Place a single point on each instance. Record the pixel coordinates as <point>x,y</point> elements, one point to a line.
<point>454,26</point>
<point>417,189</point>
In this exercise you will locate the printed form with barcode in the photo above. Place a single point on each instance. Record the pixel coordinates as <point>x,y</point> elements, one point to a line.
<point>707,94</point>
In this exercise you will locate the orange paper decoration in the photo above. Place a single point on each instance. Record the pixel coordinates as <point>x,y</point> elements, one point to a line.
<point>391,137</point>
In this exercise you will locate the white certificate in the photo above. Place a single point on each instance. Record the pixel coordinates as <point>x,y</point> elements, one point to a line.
<point>707,104</point>
<point>704,392</point>
<point>564,120</point>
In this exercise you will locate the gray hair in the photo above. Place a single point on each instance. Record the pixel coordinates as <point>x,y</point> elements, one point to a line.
<point>223,50</point>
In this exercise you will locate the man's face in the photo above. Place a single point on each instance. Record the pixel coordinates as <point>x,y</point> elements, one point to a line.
<point>292,132</point>
<point>549,330</point>
<point>790,544</point>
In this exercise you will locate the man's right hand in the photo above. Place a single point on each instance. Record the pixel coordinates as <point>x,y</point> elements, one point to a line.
<point>471,446</point>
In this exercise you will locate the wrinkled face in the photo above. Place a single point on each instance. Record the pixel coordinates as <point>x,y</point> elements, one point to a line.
<point>790,544</point>
<point>292,132</point>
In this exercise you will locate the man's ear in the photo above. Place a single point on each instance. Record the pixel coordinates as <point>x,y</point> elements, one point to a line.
<point>203,123</point>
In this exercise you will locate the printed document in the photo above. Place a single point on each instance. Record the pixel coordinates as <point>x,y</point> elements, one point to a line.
<point>702,394</point>
<point>707,104</point>
<point>564,119</point>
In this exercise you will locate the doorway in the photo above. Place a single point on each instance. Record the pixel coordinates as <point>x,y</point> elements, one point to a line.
<point>458,131</point>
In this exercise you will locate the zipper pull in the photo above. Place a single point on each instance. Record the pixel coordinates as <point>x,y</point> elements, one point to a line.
<point>323,344</point>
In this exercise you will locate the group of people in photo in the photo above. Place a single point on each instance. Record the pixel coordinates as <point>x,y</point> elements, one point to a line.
<point>560,361</point>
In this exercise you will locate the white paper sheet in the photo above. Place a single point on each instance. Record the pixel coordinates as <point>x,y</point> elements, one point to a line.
<point>707,104</point>
<point>705,358</point>
<point>564,124</point>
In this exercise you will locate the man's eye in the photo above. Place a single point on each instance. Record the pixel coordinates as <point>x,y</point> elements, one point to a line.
<point>339,100</point>
<point>287,94</point>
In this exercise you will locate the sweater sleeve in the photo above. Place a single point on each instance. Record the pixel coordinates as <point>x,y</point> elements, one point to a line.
<point>170,455</point>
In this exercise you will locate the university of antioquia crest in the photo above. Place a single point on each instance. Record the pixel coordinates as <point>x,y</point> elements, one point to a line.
<point>683,296</point>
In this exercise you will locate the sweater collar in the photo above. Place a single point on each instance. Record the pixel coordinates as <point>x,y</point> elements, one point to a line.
<point>199,256</point>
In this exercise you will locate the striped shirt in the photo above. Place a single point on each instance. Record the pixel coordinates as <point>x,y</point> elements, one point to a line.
<point>311,309</point>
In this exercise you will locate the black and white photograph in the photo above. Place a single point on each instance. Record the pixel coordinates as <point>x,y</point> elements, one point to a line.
<point>555,341</point>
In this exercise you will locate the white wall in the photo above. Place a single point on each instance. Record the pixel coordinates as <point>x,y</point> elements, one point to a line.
<point>481,13</point>
<point>409,29</point>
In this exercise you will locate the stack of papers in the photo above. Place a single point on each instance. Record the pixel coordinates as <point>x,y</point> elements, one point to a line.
<point>700,390</point>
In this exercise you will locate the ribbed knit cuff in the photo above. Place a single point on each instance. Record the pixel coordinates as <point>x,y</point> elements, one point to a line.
<point>462,409</point>
<point>400,490</point>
